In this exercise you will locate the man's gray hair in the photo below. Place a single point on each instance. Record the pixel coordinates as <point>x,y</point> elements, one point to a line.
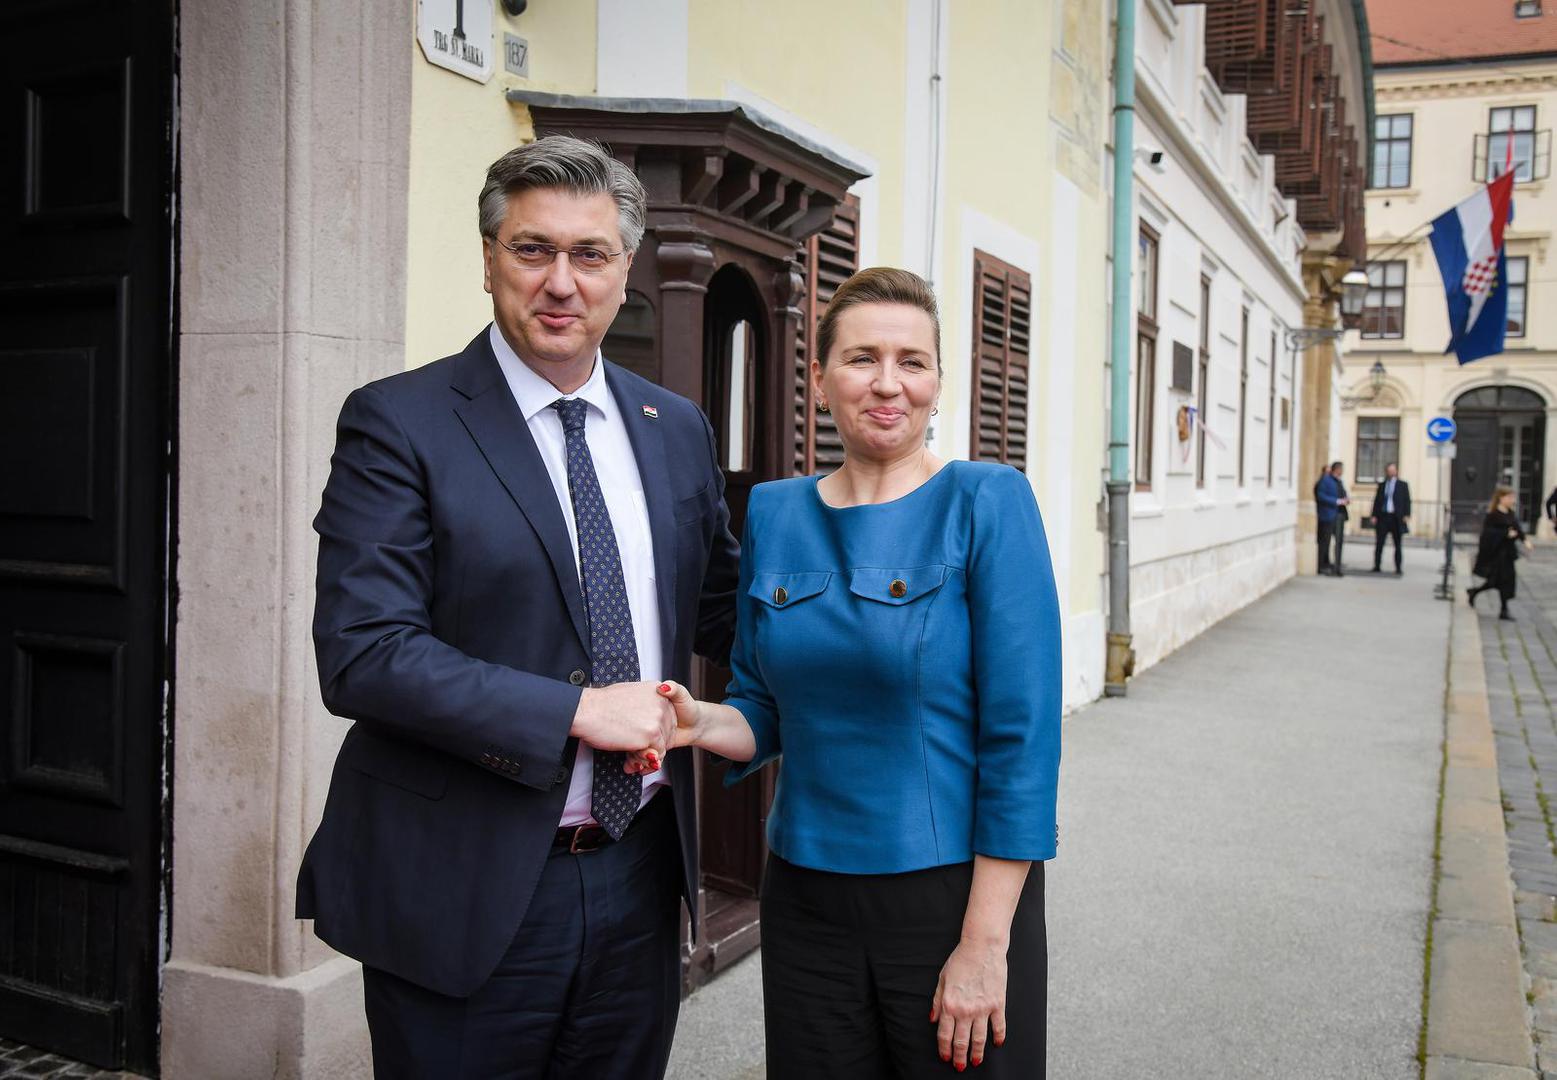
<point>577,166</point>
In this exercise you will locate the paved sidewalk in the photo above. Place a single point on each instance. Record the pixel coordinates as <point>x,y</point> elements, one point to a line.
<point>1246,854</point>
<point>1243,883</point>
<point>1521,666</point>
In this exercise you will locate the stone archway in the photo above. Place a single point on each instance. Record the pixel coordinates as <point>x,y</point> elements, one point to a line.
<point>1501,440</point>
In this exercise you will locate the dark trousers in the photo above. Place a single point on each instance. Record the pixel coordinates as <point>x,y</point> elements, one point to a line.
<point>1325,530</point>
<point>1385,526</point>
<point>850,963</point>
<point>589,988</point>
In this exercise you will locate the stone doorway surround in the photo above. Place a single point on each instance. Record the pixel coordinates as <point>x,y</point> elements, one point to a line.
<point>292,237</point>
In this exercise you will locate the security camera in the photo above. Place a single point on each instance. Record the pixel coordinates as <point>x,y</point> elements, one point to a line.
<point>1152,158</point>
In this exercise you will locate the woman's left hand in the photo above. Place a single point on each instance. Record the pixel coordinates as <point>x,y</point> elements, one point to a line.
<point>970,1002</point>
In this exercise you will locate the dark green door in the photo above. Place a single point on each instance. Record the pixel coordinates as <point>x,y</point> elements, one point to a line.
<point>85,511</point>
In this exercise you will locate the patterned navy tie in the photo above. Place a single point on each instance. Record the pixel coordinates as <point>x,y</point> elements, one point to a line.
<point>616,794</point>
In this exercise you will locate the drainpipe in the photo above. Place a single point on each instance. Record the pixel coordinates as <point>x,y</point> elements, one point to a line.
<point>1121,657</point>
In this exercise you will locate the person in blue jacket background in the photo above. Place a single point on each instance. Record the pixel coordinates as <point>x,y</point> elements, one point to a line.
<point>898,646</point>
<point>1330,506</point>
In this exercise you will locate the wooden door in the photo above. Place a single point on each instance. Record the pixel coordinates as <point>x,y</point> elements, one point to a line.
<point>85,506</point>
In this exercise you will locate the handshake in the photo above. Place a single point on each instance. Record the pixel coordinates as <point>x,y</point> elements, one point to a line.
<point>643,719</point>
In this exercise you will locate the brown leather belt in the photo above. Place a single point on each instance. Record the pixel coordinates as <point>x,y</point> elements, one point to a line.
<point>582,839</point>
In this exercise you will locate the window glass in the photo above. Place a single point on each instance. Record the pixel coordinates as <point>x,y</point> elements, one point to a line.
<point>1518,272</point>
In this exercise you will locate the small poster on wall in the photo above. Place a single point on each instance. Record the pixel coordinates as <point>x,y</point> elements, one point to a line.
<point>457,35</point>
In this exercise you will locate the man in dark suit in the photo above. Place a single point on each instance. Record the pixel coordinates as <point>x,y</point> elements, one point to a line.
<point>516,544</point>
<point>1391,508</point>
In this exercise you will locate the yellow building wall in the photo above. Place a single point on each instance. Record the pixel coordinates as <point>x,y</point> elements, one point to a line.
<point>1008,144</point>
<point>839,67</point>
<point>458,128</point>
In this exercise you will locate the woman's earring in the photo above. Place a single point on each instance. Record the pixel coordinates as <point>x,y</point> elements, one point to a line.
<point>822,406</point>
<point>935,411</point>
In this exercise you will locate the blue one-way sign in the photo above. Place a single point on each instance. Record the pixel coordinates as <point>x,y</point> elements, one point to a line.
<point>1440,429</point>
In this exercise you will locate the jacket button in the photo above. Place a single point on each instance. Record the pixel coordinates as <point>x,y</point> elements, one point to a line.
<point>577,678</point>
<point>898,588</point>
<point>781,596</point>
<point>486,759</point>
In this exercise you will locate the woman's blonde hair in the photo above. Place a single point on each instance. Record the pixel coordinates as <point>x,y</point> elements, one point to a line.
<point>878,285</point>
<point>1497,496</point>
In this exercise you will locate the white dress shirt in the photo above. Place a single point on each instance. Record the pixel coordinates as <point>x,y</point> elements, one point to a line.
<point>1389,496</point>
<point>620,484</point>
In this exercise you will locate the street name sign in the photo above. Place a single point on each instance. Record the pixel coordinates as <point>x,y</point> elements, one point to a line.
<point>457,35</point>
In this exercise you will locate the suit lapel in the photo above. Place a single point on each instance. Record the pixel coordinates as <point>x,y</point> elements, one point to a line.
<point>648,441</point>
<point>494,421</point>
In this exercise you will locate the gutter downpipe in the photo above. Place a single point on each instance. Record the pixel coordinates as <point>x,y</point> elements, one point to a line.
<point>1121,657</point>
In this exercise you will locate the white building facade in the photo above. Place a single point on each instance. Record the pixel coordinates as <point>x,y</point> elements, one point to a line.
<point>1215,390</point>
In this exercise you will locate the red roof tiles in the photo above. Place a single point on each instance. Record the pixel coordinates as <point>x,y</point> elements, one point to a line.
<point>1429,31</point>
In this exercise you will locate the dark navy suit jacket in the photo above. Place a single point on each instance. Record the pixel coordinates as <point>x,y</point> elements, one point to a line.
<point>1402,498</point>
<point>450,626</point>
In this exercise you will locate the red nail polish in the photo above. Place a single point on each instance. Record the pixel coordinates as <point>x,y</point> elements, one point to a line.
<point>664,687</point>
<point>961,1065</point>
<point>945,1057</point>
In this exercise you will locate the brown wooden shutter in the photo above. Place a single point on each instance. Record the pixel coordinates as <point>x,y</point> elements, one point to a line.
<point>1002,344</point>
<point>827,260</point>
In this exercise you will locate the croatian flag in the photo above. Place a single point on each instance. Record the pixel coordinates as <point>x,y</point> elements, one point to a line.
<point>1468,241</point>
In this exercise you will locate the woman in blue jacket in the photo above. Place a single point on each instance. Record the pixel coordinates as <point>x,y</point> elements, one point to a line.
<point>898,646</point>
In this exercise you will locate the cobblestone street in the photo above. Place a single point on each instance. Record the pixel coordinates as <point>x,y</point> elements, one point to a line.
<point>18,1062</point>
<point>1521,664</point>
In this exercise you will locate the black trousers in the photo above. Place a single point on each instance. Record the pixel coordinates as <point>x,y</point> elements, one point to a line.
<point>1325,530</point>
<point>589,988</point>
<point>850,963</point>
<point>1385,526</point>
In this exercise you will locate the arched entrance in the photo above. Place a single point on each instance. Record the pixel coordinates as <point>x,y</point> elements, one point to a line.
<point>1501,440</point>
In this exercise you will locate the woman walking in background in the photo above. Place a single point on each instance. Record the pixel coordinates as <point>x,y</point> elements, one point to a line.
<point>1501,535</point>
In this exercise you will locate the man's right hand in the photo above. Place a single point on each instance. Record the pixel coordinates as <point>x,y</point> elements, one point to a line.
<point>627,716</point>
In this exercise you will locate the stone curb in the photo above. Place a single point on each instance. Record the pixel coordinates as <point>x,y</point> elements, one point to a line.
<point>1477,1024</point>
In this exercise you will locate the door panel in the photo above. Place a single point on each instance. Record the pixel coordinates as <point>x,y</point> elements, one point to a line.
<point>85,439</point>
<point>1475,468</point>
<point>737,354</point>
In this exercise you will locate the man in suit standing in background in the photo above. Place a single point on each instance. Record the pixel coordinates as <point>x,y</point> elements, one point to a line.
<point>1330,505</point>
<point>1391,508</point>
<point>517,543</point>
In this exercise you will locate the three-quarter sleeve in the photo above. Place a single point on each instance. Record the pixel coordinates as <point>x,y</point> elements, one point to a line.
<point>748,691</point>
<point>1016,650</point>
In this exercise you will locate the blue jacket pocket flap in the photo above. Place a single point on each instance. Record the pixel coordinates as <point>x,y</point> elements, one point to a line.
<point>897,586</point>
<point>783,590</point>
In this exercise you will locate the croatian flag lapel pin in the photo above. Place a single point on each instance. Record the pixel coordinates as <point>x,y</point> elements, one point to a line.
<point>651,412</point>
